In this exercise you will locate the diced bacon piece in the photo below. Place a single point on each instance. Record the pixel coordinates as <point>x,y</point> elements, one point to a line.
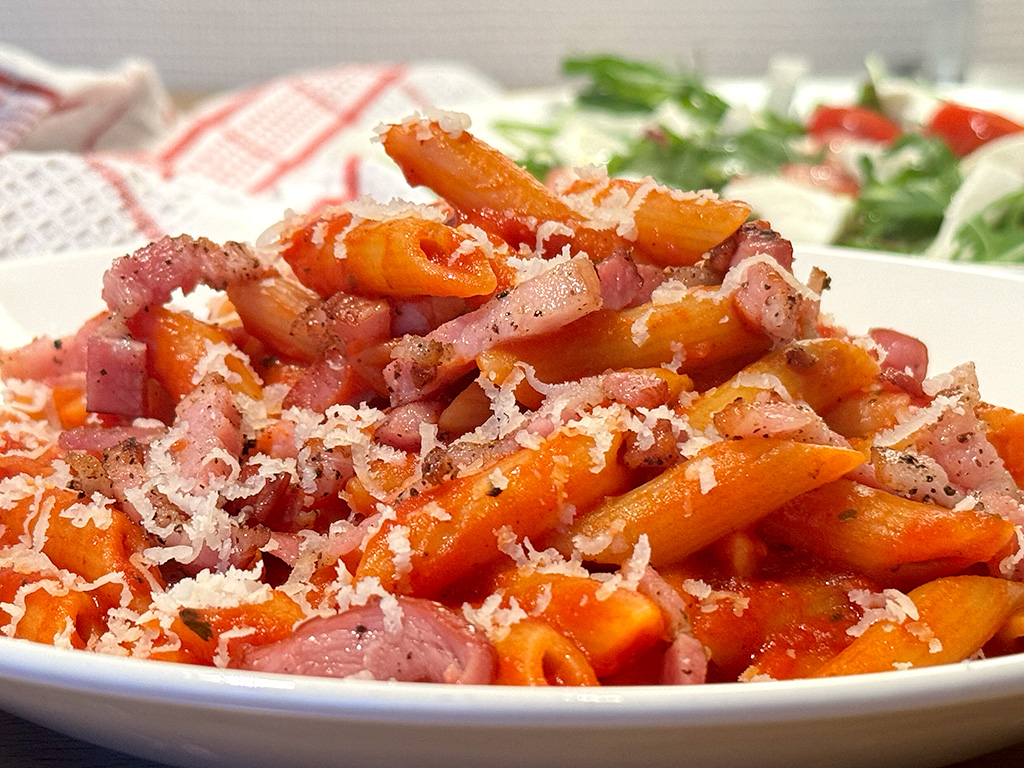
<point>770,416</point>
<point>949,435</point>
<point>770,299</point>
<point>445,461</point>
<point>624,283</point>
<point>123,470</point>
<point>394,638</point>
<point>668,600</point>
<point>751,239</point>
<point>47,359</point>
<point>913,476</point>
<point>660,449</point>
<point>150,274</point>
<point>684,663</point>
<point>331,380</point>
<point>544,303</point>
<point>958,443</point>
<point>352,323</point>
<point>116,371</point>
<point>213,428</point>
<point>90,476</point>
<point>419,315</point>
<point>278,496</point>
<point>242,552</point>
<point>635,388</point>
<point>328,469</point>
<point>92,437</point>
<point>905,362</point>
<point>401,427</point>
<point>285,547</point>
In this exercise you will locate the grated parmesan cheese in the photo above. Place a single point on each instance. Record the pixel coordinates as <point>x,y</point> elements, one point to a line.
<point>889,605</point>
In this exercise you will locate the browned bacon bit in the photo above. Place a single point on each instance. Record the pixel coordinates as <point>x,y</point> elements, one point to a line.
<point>48,359</point>
<point>624,283</point>
<point>401,426</point>
<point>913,476</point>
<point>395,638</point>
<point>149,275</point>
<point>548,301</point>
<point>444,461</point>
<point>352,323</point>
<point>751,239</point>
<point>124,469</point>
<point>213,426</point>
<point>331,380</point>
<point>904,363</point>
<point>663,450</point>
<point>92,437</point>
<point>768,298</point>
<point>89,474</point>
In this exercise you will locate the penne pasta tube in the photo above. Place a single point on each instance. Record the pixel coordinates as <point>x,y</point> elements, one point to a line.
<point>724,488</point>
<point>407,255</point>
<point>441,534</point>
<point>696,333</point>
<point>941,622</point>
<point>612,624</point>
<point>818,372</point>
<point>891,539</point>
<point>672,228</point>
<point>535,654</point>
<point>44,609</point>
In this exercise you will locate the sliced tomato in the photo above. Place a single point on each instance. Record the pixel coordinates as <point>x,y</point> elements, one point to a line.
<point>965,129</point>
<point>828,123</point>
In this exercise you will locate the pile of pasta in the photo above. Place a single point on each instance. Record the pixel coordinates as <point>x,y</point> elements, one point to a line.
<point>591,431</point>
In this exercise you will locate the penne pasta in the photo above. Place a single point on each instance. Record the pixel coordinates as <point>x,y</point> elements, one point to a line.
<point>724,488</point>
<point>941,621</point>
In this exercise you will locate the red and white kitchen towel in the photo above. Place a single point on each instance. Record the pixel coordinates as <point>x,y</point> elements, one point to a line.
<point>94,159</point>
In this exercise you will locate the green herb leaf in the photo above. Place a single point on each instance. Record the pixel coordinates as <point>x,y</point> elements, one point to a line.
<point>904,195</point>
<point>191,619</point>
<point>994,234</point>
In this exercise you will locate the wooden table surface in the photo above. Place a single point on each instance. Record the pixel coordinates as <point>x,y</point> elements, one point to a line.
<point>27,745</point>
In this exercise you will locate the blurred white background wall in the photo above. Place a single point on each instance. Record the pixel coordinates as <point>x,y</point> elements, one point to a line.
<point>203,45</point>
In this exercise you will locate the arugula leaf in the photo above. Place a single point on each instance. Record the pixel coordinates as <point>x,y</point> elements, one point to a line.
<point>995,233</point>
<point>904,195</point>
<point>619,85</point>
<point>709,159</point>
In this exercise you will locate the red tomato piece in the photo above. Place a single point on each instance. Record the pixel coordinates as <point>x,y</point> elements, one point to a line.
<point>965,129</point>
<point>828,123</point>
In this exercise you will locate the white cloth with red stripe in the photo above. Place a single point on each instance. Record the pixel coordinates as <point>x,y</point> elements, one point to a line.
<point>95,159</point>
